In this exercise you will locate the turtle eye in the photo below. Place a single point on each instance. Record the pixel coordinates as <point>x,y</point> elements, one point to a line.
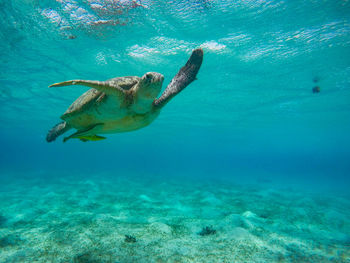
<point>148,76</point>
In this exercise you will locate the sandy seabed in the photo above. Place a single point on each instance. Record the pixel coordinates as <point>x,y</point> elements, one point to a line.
<point>65,218</point>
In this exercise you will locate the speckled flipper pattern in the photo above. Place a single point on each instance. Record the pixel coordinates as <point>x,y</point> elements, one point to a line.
<point>182,79</point>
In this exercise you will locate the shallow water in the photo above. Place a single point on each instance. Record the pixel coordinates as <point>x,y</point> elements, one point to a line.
<point>247,149</point>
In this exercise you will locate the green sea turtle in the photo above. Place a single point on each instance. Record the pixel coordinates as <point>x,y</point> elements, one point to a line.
<point>121,104</point>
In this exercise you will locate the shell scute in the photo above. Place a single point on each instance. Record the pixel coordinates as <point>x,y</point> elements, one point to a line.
<point>86,100</point>
<point>93,97</point>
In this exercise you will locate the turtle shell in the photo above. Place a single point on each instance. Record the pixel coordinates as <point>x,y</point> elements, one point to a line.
<point>93,96</point>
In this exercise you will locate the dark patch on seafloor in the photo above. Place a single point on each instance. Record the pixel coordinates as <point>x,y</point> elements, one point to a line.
<point>2,220</point>
<point>206,231</point>
<point>87,257</point>
<point>129,239</point>
<point>9,240</point>
<point>316,89</point>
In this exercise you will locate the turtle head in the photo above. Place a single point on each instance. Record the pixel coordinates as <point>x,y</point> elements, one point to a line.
<point>150,85</point>
<point>147,91</point>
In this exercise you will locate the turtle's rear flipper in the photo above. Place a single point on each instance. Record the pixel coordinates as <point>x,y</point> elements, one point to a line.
<point>87,134</point>
<point>56,131</point>
<point>182,79</point>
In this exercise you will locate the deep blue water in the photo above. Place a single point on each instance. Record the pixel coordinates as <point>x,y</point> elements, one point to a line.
<point>251,116</point>
<point>252,106</point>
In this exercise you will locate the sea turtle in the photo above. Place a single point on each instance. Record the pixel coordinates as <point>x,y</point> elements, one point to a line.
<point>121,104</point>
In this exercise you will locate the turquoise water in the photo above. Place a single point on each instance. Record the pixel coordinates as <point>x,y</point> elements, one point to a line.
<point>248,149</point>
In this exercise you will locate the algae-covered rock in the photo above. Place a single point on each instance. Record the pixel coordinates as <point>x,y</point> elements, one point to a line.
<point>240,233</point>
<point>249,214</point>
<point>161,228</point>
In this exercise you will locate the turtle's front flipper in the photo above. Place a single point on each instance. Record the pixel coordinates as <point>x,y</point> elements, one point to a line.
<point>87,134</point>
<point>182,79</point>
<point>104,86</point>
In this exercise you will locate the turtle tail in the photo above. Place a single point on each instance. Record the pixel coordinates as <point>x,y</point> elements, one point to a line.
<point>57,130</point>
